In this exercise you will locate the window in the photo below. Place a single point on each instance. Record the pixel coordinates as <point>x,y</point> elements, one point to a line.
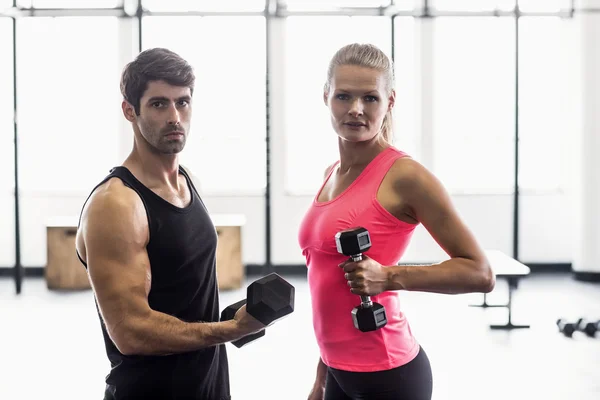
<point>6,108</point>
<point>70,3</point>
<point>544,5</point>
<point>486,5</point>
<point>406,110</point>
<point>6,144</point>
<point>311,143</point>
<point>300,5</point>
<point>204,5</point>
<point>69,101</point>
<point>547,101</point>
<point>474,103</point>
<point>472,5</point>
<point>404,5</point>
<point>226,149</point>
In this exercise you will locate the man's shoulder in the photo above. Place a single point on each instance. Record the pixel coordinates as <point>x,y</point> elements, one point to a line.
<point>113,194</point>
<point>113,214</point>
<point>112,201</point>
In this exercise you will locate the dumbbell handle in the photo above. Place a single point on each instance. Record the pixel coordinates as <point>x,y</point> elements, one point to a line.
<point>365,300</point>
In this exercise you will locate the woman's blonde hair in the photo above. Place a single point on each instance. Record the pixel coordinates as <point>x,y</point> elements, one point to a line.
<point>369,56</point>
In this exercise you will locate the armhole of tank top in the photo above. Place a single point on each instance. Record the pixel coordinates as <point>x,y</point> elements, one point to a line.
<point>102,182</point>
<point>106,179</point>
<point>130,186</point>
<point>388,163</point>
<point>150,235</point>
<point>378,206</point>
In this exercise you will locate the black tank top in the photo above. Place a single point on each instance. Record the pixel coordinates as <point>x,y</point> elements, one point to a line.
<point>182,253</point>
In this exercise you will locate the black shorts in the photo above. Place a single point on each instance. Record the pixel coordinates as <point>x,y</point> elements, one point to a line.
<point>412,381</point>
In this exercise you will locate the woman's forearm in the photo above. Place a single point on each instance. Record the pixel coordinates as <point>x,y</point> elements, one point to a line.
<point>454,276</point>
<point>321,374</point>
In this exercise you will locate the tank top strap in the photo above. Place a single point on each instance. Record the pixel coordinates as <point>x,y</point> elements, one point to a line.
<point>129,180</point>
<point>378,169</point>
<point>331,170</point>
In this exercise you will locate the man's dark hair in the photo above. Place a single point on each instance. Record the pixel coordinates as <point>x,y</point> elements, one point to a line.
<point>157,64</point>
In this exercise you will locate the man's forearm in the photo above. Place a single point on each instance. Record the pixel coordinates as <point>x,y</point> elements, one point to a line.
<point>162,334</point>
<point>454,276</point>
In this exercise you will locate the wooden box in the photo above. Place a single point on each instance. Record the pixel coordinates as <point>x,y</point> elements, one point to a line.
<point>230,267</point>
<point>64,271</point>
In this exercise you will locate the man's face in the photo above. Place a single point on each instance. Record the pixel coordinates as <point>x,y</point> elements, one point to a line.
<point>165,116</point>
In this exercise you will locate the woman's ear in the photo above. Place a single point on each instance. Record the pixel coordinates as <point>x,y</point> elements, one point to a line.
<point>392,100</point>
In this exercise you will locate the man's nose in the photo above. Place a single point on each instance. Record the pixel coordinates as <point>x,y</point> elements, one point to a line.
<point>174,118</point>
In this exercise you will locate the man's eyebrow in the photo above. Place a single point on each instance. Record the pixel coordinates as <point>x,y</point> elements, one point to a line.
<point>162,98</point>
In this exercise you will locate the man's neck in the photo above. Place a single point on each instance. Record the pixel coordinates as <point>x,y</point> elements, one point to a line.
<point>153,169</point>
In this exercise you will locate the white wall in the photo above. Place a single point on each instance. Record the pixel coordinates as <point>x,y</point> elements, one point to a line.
<point>546,218</point>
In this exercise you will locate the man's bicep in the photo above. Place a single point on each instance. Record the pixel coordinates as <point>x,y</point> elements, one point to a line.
<point>116,273</point>
<point>117,262</point>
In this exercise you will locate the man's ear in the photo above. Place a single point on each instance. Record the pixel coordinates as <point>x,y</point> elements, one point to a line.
<point>128,111</point>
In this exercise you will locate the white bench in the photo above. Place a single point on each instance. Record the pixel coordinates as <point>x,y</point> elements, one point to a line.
<point>508,268</point>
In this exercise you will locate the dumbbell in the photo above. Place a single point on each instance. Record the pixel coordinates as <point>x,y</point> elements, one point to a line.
<point>268,299</point>
<point>368,316</point>
<point>566,328</point>
<point>588,327</point>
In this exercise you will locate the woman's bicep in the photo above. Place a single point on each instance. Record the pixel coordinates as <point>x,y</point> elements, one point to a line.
<point>431,205</point>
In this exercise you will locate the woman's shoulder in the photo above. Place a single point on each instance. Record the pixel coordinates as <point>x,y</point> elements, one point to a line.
<point>408,173</point>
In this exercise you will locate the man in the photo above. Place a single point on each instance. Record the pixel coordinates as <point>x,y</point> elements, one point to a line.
<point>149,247</point>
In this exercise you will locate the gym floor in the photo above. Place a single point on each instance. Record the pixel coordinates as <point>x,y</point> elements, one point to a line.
<point>52,347</point>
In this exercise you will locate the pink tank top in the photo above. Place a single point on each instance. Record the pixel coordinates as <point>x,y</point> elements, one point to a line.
<point>341,345</point>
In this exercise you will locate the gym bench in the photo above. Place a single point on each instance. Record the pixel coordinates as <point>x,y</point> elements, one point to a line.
<point>508,268</point>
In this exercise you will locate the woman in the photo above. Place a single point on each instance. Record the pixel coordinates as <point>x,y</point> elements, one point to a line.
<point>382,189</point>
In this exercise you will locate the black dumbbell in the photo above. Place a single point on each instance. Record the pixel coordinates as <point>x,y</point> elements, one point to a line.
<point>268,300</point>
<point>566,328</point>
<point>588,327</point>
<point>368,316</point>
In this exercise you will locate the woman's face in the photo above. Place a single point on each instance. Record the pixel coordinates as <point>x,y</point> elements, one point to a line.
<point>358,101</point>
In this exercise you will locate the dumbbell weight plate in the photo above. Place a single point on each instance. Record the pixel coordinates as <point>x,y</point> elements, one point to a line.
<point>228,314</point>
<point>270,299</point>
